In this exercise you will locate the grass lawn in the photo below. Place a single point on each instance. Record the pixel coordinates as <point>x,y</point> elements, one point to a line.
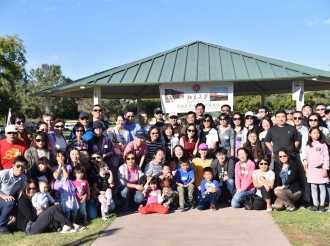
<point>87,237</point>
<point>303,227</point>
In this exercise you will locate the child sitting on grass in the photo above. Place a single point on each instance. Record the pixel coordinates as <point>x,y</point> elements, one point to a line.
<point>154,199</point>
<point>210,191</point>
<point>184,179</point>
<point>168,184</point>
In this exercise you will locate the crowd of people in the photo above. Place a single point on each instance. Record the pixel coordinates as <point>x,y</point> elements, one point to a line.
<point>48,182</point>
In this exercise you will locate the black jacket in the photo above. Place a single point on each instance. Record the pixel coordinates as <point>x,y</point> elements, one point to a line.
<point>25,212</point>
<point>229,167</point>
<point>293,180</point>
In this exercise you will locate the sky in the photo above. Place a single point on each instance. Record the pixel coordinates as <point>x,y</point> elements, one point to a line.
<point>89,36</point>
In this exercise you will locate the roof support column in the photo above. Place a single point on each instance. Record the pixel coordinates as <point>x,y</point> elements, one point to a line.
<point>263,100</point>
<point>298,91</point>
<point>97,95</point>
<point>47,104</point>
<point>139,105</point>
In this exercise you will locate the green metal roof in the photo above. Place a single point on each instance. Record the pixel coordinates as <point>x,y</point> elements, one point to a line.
<point>198,62</point>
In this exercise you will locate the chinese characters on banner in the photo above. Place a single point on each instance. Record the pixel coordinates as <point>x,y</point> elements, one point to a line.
<point>182,98</point>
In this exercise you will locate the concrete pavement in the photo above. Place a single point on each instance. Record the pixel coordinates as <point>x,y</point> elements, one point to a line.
<point>227,226</point>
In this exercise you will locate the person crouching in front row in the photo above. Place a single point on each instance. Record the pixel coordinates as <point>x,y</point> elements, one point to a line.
<point>210,191</point>
<point>154,199</point>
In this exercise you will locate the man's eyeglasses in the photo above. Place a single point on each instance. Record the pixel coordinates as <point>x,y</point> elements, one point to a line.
<point>84,118</point>
<point>11,133</point>
<point>96,157</point>
<point>129,116</point>
<point>297,118</point>
<point>97,110</point>
<point>20,122</point>
<point>173,118</point>
<point>18,166</point>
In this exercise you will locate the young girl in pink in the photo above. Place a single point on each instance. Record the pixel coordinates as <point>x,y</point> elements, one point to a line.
<point>82,193</point>
<point>317,156</point>
<point>154,199</point>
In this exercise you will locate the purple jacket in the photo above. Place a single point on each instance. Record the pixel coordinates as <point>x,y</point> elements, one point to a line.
<point>107,148</point>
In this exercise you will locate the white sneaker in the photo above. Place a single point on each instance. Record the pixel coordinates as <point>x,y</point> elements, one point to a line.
<point>104,217</point>
<point>269,209</point>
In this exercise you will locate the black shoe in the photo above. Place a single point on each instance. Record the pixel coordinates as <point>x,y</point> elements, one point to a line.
<point>321,209</point>
<point>314,209</point>
<point>6,233</point>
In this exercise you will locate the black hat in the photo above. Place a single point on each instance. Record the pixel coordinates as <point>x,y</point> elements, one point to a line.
<point>158,110</point>
<point>83,114</point>
<point>98,124</point>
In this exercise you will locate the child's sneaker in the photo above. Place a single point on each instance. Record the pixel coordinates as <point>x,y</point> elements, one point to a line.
<point>104,217</point>
<point>314,208</point>
<point>181,208</point>
<point>191,204</point>
<point>321,209</point>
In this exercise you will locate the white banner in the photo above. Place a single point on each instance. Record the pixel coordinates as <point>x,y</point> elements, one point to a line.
<point>182,98</point>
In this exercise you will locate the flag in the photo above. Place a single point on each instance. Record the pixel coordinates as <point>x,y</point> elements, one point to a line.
<point>8,118</point>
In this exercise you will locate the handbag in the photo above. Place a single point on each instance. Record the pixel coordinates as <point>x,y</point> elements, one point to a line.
<point>118,150</point>
<point>254,202</point>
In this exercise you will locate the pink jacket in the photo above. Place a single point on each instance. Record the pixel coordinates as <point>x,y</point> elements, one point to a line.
<point>244,180</point>
<point>317,155</point>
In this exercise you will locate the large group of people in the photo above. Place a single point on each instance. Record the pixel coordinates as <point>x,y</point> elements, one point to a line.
<point>49,182</point>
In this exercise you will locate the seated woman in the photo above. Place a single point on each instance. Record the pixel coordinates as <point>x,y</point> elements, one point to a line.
<point>288,183</point>
<point>31,222</point>
<point>263,181</point>
<point>131,181</point>
<point>223,172</point>
<point>243,178</point>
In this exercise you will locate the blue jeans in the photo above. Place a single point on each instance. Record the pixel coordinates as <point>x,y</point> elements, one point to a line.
<point>197,195</point>
<point>5,211</point>
<point>92,210</point>
<point>327,186</point>
<point>228,186</point>
<point>238,198</point>
<point>82,209</point>
<point>206,201</point>
<point>128,195</point>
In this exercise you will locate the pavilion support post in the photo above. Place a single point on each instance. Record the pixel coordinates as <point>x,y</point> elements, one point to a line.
<point>97,95</point>
<point>298,93</point>
<point>47,105</point>
<point>263,99</point>
<point>139,105</point>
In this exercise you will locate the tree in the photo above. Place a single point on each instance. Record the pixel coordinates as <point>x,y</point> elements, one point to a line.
<point>40,79</point>
<point>12,61</point>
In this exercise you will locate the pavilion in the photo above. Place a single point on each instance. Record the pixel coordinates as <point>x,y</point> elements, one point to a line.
<point>190,63</point>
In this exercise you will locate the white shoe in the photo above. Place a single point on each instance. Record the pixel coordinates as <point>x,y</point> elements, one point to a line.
<point>269,209</point>
<point>104,218</point>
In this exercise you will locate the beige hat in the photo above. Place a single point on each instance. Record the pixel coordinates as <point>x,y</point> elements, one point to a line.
<point>11,128</point>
